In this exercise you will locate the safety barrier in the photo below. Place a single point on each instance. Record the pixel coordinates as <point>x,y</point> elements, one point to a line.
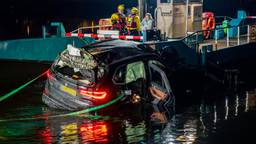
<point>101,36</point>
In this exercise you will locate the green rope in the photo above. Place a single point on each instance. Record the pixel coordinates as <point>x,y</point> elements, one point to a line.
<point>19,88</point>
<point>54,116</point>
<point>96,107</point>
<point>69,114</point>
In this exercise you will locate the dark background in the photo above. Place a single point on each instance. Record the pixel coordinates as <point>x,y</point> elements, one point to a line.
<point>16,15</point>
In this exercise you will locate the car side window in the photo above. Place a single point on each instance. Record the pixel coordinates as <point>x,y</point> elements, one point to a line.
<point>156,77</point>
<point>119,76</point>
<point>130,73</point>
<point>157,63</point>
<point>159,84</point>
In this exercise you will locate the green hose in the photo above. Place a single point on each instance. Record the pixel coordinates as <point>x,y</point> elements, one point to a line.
<point>69,114</point>
<point>96,107</point>
<point>20,88</point>
<point>54,116</point>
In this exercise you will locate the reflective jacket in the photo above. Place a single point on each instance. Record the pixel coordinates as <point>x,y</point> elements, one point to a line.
<point>211,23</point>
<point>118,22</point>
<point>133,22</point>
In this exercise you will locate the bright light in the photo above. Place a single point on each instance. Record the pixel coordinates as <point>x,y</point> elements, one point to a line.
<point>94,94</point>
<point>49,75</point>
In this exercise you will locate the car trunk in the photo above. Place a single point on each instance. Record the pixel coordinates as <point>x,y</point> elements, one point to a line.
<point>80,66</point>
<point>78,75</point>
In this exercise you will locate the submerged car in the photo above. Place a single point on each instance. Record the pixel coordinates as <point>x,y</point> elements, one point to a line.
<point>95,74</point>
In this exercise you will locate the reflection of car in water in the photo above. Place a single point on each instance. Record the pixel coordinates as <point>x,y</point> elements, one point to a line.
<point>98,73</point>
<point>128,124</point>
<point>147,124</point>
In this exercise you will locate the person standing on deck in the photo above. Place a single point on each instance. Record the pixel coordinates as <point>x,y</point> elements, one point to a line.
<point>118,20</point>
<point>147,23</point>
<point>208,24</point>
<point>225,25</point>
<point>133,22</point>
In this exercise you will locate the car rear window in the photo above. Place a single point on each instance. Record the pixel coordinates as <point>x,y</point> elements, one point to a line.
<point>82,67</point>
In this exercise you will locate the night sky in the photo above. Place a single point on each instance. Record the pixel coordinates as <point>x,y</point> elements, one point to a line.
<point>16,14</point>
<point>61,8</point>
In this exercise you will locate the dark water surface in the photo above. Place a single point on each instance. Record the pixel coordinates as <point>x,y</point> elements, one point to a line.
<point>218,116</point>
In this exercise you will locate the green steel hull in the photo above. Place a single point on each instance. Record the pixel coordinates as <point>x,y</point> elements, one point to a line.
<point>38,49</point>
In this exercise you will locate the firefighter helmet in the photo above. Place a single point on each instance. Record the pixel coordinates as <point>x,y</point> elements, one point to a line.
<point>121,7</point>
<point>134,10</point>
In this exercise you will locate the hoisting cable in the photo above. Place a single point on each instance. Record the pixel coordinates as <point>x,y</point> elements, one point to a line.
<point>91,109</point>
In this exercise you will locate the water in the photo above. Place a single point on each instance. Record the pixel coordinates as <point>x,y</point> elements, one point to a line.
<point>217,117</point>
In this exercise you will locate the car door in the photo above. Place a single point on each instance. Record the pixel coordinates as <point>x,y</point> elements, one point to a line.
<point>131,79</point>
<point>159,87</point>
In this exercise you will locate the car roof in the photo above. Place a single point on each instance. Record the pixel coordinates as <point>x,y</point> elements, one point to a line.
<point>116,50</point>
<point>116,42</point>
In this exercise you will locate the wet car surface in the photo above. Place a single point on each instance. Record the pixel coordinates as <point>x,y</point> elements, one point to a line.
<point>99,72</point>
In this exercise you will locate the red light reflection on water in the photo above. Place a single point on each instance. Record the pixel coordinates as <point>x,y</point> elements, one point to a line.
<point>94,132</point>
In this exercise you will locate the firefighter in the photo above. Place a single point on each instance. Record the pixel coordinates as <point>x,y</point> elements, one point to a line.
<point>118,20</point>
<point>133,22</point>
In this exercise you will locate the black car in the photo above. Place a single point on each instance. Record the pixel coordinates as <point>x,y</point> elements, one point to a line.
<point>97,73</point>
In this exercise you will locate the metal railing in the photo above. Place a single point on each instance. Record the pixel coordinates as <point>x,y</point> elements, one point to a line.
<point>220,38</point>
<point>80,29</point>
<point>104,34</point>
